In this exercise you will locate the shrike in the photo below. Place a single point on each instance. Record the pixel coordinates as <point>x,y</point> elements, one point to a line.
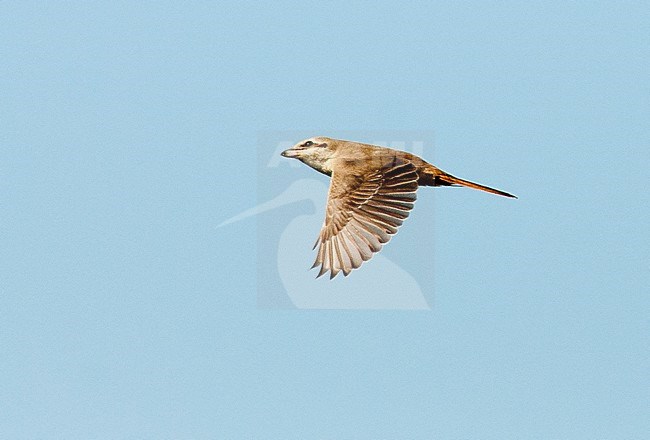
<point>372,190</point>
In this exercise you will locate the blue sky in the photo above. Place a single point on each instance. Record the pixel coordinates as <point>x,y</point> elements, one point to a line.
<point>130,130</point>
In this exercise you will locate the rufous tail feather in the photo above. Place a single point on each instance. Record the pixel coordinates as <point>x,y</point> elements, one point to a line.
<point>448,180</point>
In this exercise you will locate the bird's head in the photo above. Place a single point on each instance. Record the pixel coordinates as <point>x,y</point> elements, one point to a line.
<point>317,152</point>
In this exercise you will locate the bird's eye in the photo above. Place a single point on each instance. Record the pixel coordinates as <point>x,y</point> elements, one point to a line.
<point>308,144</point>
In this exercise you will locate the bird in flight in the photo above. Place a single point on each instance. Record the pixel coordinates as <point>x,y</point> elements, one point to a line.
<point>372,190</point>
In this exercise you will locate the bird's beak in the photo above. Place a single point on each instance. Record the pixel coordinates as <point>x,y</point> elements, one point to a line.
<point>291,152</point>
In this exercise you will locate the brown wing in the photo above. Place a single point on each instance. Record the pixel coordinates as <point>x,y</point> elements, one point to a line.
<point>362,214</point>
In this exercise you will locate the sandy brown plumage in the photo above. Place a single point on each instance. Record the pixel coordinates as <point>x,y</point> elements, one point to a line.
<point>372,192</point>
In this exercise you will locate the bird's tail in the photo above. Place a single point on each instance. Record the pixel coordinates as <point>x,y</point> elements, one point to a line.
<point>444,179</point>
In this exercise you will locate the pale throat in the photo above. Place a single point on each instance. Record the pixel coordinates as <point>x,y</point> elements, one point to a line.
<point>320,161</point>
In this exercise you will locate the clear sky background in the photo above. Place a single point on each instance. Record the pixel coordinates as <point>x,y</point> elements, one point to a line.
<point>128,131</point>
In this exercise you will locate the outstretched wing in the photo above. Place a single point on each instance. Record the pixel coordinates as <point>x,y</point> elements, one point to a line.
<point>363,212</point>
